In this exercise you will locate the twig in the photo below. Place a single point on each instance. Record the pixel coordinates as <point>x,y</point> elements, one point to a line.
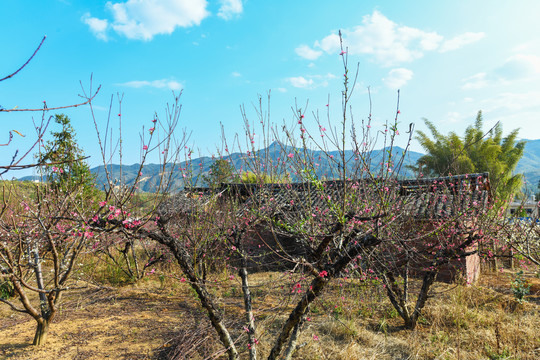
<point>45,108</point>
<point>27,61</point>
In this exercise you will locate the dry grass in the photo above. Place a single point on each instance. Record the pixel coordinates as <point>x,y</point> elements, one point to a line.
<point>126,323</point>
<point>351,321</point>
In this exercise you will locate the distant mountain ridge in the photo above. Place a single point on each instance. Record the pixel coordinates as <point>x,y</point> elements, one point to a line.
<point>201,166</point>
<point>529,165</point>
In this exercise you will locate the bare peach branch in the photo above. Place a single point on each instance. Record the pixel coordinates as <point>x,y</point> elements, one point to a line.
<point>27,61</point>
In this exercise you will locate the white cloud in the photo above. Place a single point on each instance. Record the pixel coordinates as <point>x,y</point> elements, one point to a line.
<point>310,81</point>
<point>387,42</point>
<point>512,101</point>
<point>330,76</point>
<point>397,78</point>
<point>454,117</point>
<point>143,19</point>
<point>519,66</point>
<point>230,8</point>
<point>532,46</point>
<point>236,74</point>
<point>301,82</point>
<point>517,69</point>
<point>308,53</point>
<point>477,81</point>
<point>159,84</point>
<point>97,26</point>
<point>329,44</point>
<point>461,40</point>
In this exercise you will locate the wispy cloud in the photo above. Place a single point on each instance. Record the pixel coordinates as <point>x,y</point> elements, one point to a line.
<point>386,42</point>
<point>308,53</point>
<point>512,101</point>
<point>236,74</point>
<point>144,19</point>
<point>461,40</point>
<point>310,81</point>
<point>517,68</point>
<point>397,78</point>
<point>454,117</point>
<point>158,84</point>
<point>230,8</point>
<point>476,81</point>
<point>301,82</point>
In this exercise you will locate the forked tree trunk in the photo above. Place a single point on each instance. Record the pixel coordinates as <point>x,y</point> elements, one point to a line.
<point>429,279</point>
<point>207,302</point>
<point>398,298</point>
<point>42,331</point>
<point>316,287</point>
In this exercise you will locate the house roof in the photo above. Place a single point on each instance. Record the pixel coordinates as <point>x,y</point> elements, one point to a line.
<point>420,198</point>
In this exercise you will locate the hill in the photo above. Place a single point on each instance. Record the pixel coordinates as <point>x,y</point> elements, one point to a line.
<point>327,166</point>
<point>529,165</point>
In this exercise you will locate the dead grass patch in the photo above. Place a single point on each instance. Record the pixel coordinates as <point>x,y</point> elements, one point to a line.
<point>162,319</point>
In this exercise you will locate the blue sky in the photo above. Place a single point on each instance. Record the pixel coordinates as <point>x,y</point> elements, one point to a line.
<point>448,58</point>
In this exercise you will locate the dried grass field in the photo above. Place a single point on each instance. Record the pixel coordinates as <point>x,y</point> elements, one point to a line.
<point>159,318</point>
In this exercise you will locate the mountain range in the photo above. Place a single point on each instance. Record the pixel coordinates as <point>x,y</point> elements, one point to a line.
<point>326,167</point>
<point>529,165</point>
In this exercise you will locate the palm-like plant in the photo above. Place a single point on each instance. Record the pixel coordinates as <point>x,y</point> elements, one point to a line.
<point>476,151</point>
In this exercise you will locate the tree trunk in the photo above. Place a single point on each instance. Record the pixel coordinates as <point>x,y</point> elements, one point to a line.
<point>428,280</point>
<point>316,287</point>
<point>252,341</point>
<point>214,313</point>
<point>43,323</point>
<point>291,347</point>
<point>397,297</point>
<point>41,333</point>
<point>39,281</point>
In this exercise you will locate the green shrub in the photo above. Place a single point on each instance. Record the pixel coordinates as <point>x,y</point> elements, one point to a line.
<point>520,287</point>
<point>7,289</point>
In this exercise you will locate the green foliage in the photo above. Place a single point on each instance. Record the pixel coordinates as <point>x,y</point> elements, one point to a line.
<point>249,177</point>
<point>337,312</point>
<point>220,171</point>
<point>24,189</point>
<point>475,152</point>
<point>493,354</point>
<point>64,165</point>
<point>520,287</point>
<point>7,289</point>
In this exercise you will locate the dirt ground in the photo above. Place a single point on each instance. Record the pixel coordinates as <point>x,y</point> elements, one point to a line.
<point>98,323</point>
<point>144,321</point>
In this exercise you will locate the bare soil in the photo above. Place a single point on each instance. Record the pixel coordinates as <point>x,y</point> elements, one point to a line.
<point>148,321</point>
<point>99,323</point>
